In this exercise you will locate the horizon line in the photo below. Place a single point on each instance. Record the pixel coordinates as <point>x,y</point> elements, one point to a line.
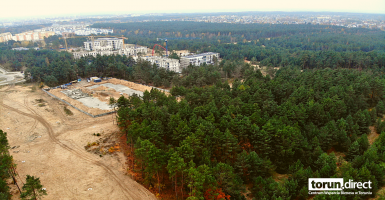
<point>181,13</point>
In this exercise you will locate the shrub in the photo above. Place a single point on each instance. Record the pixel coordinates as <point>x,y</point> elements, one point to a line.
<point>68,111</point>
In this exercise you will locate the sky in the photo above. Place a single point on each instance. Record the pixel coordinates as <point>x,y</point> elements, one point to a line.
<point>36,8</point>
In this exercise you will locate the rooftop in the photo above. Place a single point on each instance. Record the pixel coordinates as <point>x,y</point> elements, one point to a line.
<point>165,59</point>
<point>109,39</point>
<point>199,55</point>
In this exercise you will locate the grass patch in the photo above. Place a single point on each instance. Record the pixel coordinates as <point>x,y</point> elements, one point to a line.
<point>68,111</point>
<point>39,100</point>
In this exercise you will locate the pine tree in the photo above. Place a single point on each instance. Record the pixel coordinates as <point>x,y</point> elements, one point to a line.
<point>176,165</point>
<point>380,108</point>
<point>373,115</point>
<point>242,165</point>
<point>196,178</point>
<point>361,119</point>
<point>226,178</point>
<point>4,190</point>
<point>32,189</point>
<point>354,151</point>
<point>261,141</point>
<point>363,143</point>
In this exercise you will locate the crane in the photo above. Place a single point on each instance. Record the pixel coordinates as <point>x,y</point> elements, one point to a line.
<point>165,39</point>
<point>159,46</point>
<point>65,41</point>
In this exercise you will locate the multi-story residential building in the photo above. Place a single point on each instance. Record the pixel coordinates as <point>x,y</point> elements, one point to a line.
<point>104,44</point>
<point>168,63</point>
<point>26,36</point>
<point>80,54</point>
<point>110,46</point>
<point>198,59</point>
<point>133,51</point>
<point>5,37</point>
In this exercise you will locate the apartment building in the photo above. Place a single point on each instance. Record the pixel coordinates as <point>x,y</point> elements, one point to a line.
<point>133,51</point>
<point>26,36</point>
<point>80,54</point>
<point>5,37</point>
<point>198,59</point>
<point>110,46</point>
<point>104,44</point>
<point>168,63</point>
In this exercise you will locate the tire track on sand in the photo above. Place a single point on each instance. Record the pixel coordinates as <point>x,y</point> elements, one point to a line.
<point>127,193</point>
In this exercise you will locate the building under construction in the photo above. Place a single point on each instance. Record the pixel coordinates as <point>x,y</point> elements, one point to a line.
<point>104,44</point>
<point>163,62</point>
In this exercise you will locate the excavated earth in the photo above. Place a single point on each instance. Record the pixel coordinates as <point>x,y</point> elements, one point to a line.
<point>61,149</point>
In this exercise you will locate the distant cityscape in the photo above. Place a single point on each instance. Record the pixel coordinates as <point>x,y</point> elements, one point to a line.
<point>55,29</point>
<point>77,29</point>
<point>335,20</point>
<point>349,20</point>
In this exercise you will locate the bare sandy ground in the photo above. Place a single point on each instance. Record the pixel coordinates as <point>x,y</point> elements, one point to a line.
<point>51,145</point>
<point>101,92</point>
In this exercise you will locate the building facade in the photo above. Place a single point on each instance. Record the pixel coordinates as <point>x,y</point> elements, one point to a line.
<point>198,59</point>
<point>104,44</point>
<point>5,37</point>
<point>163,62</point>
<point>107,50</point>
<point>133,51</point>
<point>80,54</point>
<point>26,36</point>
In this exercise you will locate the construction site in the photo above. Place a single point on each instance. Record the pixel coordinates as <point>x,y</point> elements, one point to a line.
<point>74,155</point>
<point>92,98</point>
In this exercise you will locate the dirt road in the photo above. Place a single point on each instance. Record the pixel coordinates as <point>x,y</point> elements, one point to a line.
<point>50,145</point>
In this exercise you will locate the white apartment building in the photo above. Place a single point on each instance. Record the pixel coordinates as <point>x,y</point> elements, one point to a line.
<point>104,44</point>
<point>80,54</point>
<point>133,51</point>
<point>198,59</point>
<point>168,63</point>
<point>89,31</point>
